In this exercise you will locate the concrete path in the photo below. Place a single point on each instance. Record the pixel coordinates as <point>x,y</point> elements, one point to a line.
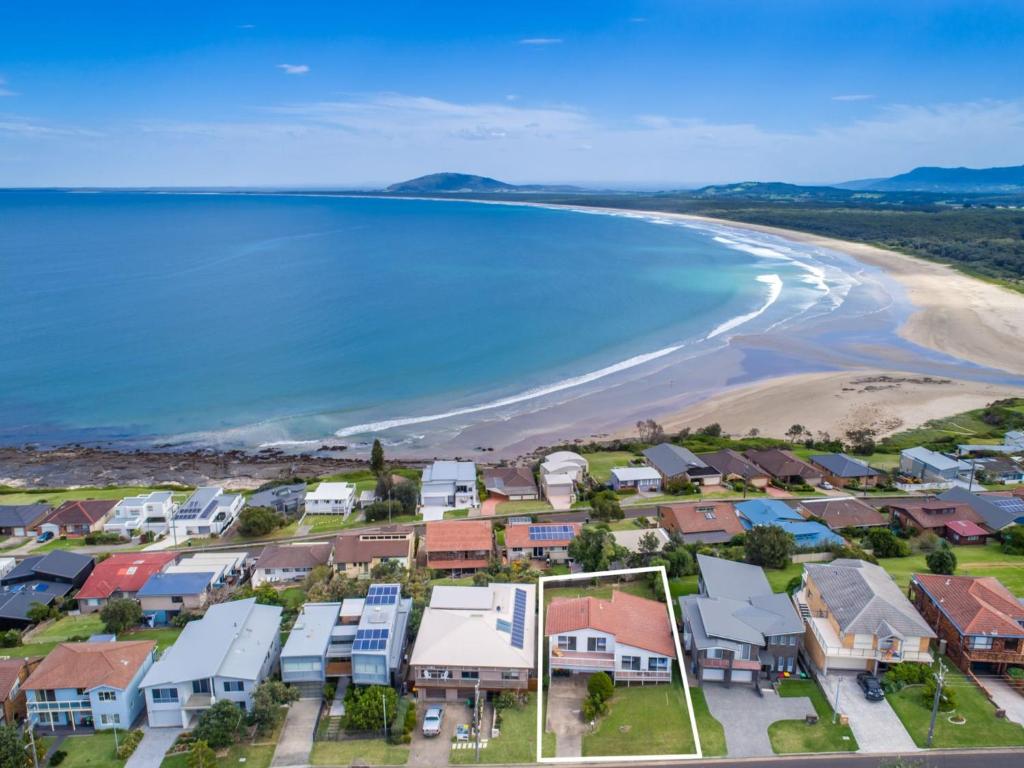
<point>565,698</point>
<point>154,745</point>
<point>296,740</point>
<point>745,716</point>
<point>875,725</point>
<point>1006,698</point>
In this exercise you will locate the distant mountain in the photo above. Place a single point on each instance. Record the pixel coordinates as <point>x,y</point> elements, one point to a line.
<point>934,179</point>
<point>467,182</point>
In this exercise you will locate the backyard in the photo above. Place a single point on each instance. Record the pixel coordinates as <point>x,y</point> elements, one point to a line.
<point>584,588</point>
<point>792,736</point>
<point>971,561</point>
<point>643,720</point>
<point>517,743</point>
<point>601,463</point>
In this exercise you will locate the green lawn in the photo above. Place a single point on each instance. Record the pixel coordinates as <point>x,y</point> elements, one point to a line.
<point>792,736</point>
<point>293,598</point>
<point>70,626</point>
<point>517,743</point>
<point>643,720</point>
<point>164,637</point>
<point>58,543</point>
<point>712,735</point>
<point>604,591</point>
<point>253,755</point>
<point>455,514</point>
<point>971,561</point>
<point>94,751</point>
<point>57,496</point>
<point>981,729</point>
<point>601,463</point>
<point>683,585</point>
<point>367,751</point>
<point>778,579</point>
<point>522,507</point>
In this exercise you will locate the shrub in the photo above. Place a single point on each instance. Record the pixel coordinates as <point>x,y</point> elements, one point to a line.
<point>1013,540</point>
<point>127,744</point>
<point>184,618</point>
<point>927,541</point>
<point>600,685</point>
<point>329,690</point>
<point>769,546</point>
<point>884,543</point>
<point>102,537</point>
<point>120,614</point>
<point>382,510</point>
<point>594,707</point>
<point>259,521</point>
<point>941,561</point>
<point>10,639</point>
<point>947,700</point>
<point>905,673</point>
<point>58,757</point>
<point>1017,673</point>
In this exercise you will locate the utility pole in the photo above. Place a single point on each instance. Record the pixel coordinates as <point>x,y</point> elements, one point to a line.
<point>476,716</point>
<point>32,743</point>
<point>835,709</point>
<point>940,678</point>
<point>384,701</point>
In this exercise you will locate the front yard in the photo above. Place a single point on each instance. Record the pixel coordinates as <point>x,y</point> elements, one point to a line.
<point>793,736</point>
<point>517,743</point>
<point>982,728</point>
<point>93,751</point>
<point>248,755</point>
<point>712,735</point>
<point>366,751</point>
<point>643,720</point>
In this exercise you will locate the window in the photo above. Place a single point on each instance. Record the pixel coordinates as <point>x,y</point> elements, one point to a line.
<point>201,686</point>
<point>107,695</point>
<point>80,691</point>
<point>110,719</point>
<point>235,686</point>
<point>597,644</point>
<point>1011,644</point>
<point>436,674</point>
<point>177,599</point>
<point>164,695</point>
<point>981,642</point>
<point>715,653</point>
<point>510,674</point>
<point>657,664</point>
<point>566,643</point>
<point>470,674</point>
<point>631,663</point>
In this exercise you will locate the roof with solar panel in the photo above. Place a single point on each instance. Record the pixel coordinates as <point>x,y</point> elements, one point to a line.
<point>541,535</point>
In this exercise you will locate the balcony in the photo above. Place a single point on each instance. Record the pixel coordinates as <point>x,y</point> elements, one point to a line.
<point>993,656</point>
<point>64,705</point>
<point>832,645</point>
<point>642,676</point>
<point>582,660</point>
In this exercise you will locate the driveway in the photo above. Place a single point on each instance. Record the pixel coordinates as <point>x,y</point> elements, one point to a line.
<point>565,697</point>
<point>432,751</point>
<point>154,745</point>
<point>1006,698</point>
<point>745,716</point>
<point>874,723</point>
<point>296,740</point>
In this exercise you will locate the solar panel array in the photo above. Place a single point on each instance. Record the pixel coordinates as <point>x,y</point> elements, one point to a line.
<point>519,619</point>
<point>382,594</point>
<point>550,532</point>
<point>1013,506</point>
<point>370,640</point>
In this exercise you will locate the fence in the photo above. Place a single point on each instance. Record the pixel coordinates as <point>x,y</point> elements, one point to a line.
<point>813,557</point>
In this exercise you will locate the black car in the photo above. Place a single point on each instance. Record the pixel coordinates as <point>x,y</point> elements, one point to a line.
<point>871,686</point>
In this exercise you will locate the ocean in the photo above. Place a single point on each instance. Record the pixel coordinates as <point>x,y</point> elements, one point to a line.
<point>256,320</point>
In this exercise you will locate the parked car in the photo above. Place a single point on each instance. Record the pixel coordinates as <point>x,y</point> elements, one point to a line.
<point>826,485</point>
<point>871,686</point>
<point>44,537</point>
<point>432,721</point>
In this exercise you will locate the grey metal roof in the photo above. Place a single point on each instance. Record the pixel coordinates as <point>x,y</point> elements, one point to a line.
<point>841,465</point>
<point>63,564</point>
<point>995,517</point>
<point>280,497</point>
<point>698,634</point>
<point>721,619</point>
<point>729,579</point>
<point>18,515</point>
<point>936,461</point>
<point>467,598</point>
<point>672,460</point>
<point>450,471</point>
<point>862,597</point>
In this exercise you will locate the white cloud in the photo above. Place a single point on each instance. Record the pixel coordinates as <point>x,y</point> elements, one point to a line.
<point>853,97</point>
<point>294,69</point>
<point>4,90</point>
<point>29,128</point>
<point>541,41</point>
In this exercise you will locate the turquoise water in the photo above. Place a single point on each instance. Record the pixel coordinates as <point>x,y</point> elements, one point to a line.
<point>251,319</point>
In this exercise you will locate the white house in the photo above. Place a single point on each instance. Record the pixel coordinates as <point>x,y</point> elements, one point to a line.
<point>559,489</point>
<point>149,512</point>
<point>565,462</point>
<point>641,478</point>
<point>207,511</point>
<point>627,637</point>
<point>331,499</point>
<point>449,484</point>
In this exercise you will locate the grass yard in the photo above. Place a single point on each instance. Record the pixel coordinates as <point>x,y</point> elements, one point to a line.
<point>254,756</point>
<point>601,463</point>
<point>982,729</point>
<point>971,561</point>
<point>712,735</point>
<point>643,720</point>
<point>70,626</point>
<point>58,496</point>
<point>366,751</point>
<point>455,514</point>
<point>93,751</point>
<point>640,587</point>
<point>293,598</point>
<point>683,585</point>
<point>793,736</point>
<point>517,743</point>
<point>164,637</point>
<point>780,578</point>
<point>522,507</point>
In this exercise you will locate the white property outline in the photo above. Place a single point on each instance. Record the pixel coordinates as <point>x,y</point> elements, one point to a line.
<point>679,658</point>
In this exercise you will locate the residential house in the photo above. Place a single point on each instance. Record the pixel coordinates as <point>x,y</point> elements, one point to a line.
<point>842,471</point>
<point>228,568</point>
<point>784,467</point>
<point>807,534</point>
<point>331,499</point>
<point>733,466</point>
<point>286,500</point>
<point>674,462</point>
<point>841,512</point>
<point>565,463</point>
<point>999,470</point>
<point>459,546</point>
<point>150,513</point>
<point>1013,442</point>
<point>736,630</point>
<point>40,579</point>
<point>471,635</point>
<point>980,620</point>
<point>449,484</point>
<point>944,518</point>
<point>559,489</point>
<point>857,618</point>
<point>646,479</point>
<point>290,562</point>
<point>13,674</point>
<point>93,683</point>
<point>540,541</point>
<point>632,539</point>
<point>357,553</point>
<point>209,510</point>
<point>995,511</point>
<point>627,637</point>
<point>77,518</point>
<point>361,640</point>
<point>165,595</point>
<point>511,483</point>
<point>7,565</point>
<point>701,522</point>
<point>224,655</point>
<point>22,519</point>
<point>120,576</point>
<point>932,467</point>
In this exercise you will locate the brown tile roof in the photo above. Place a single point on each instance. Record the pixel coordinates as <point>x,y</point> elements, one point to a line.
<point>519,535</point>
<point>89,665</point>
<point>124,573</point>
<point>977,605</point>
<point>691,517</point>
<point>632,620</point>
<point>295,556</point>
<point>363,547</point>
<point>779,463</point>
<point>731,463</point>
<point>510,480</point>
<point>80,512</point>
<point>843,513</point>
<point>966,528</point>
<point>935,513</point>
<point>459,536</point>
<point>10,671</point>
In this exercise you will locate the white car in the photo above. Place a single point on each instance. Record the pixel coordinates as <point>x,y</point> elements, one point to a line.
<point>826,485</point>
<point>432,721</point>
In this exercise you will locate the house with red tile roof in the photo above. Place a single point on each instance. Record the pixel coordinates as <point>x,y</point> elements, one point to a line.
<point>540,541</point>
<point>13,673</point>
<point>120,576</point>
<point>942,517</point>
<point>459,546</point>
<point>77,518</point>
<point>627,637</point>
<point>701,522</point>
<point>981,621</point>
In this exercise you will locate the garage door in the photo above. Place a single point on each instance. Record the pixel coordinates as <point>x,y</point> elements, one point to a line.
<point>713,674</point>
<point>858,664</point>
<point>164,718</point>
<point>742,675</point>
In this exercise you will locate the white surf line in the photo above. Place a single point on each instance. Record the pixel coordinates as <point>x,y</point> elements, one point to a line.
<point>774,283</point>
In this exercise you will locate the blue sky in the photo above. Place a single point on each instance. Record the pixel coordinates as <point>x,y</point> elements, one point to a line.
<point>646,94</point>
